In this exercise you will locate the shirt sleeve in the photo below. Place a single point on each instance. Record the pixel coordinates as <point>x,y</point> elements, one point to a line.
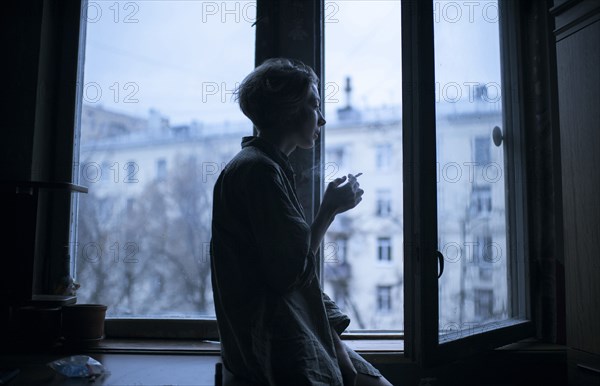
<point>281,234</point>
<point>337,319</point>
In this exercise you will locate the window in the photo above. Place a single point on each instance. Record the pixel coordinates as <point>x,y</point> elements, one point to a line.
<point>336,157</point>
<point>149,95</point>
<point>362,105</point>
<point>161,169</point>
<point>482,150</point>
<point>463,123</point>
<point>484,251</point>
<point>481,200</point>
<point>383,156</point>
<point>369,122</point>
<point>485,273</point>
<point>342,248</point>
<point>484,303</point>
<point>384,202</point>
<point>485,254</point>
<point>339,297</point>
<point>444,129</point>
<point>479,93</point>
<point>384,249</point>
<point>384,298</point>
<point>336,249</point>
<point>338,269</point>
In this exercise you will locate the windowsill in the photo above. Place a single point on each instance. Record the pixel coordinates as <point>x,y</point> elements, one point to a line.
<point>380,350</point>
<point>377,350</point>
<point>374,350</point>
<point>173,361</point>
<point>209,346</point>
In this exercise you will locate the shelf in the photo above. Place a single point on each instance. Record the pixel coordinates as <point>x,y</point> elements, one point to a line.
<point>16,186</point>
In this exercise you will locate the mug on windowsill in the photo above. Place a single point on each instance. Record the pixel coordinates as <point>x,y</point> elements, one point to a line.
<point>83,323</point>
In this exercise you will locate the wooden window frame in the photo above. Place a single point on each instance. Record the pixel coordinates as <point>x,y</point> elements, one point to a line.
<point>418,85</point>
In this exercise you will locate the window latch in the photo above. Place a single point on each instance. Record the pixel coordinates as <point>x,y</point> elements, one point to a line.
<point>441,260</point>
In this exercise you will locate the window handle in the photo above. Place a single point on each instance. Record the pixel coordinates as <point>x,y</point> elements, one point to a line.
<point>441,260</point>
<point>497,136</point>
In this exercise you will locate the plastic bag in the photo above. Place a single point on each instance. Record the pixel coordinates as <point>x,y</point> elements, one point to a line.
<point>77,366</point>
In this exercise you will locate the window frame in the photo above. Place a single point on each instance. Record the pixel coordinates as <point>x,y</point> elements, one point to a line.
<point>417,70</point>
<point>424,343</point>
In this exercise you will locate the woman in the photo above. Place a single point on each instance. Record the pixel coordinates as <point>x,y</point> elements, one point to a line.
<point>276,325</point>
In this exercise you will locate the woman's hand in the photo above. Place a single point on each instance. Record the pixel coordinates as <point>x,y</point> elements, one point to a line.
<point>339,199</point>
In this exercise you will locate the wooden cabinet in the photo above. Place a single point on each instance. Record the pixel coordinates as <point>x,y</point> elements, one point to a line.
<point>577,33</point>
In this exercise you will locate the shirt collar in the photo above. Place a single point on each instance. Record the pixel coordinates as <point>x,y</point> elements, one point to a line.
<point>272,151</point>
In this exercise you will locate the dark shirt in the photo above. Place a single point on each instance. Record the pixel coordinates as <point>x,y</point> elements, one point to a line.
<point>275,323</point>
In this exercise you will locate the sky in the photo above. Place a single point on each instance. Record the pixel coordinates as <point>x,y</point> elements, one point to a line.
<point>184,58</point>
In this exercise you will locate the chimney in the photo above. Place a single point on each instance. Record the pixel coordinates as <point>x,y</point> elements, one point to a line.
<point>348,113</point>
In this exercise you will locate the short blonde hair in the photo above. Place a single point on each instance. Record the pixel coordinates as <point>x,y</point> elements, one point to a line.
<point>273,93</point>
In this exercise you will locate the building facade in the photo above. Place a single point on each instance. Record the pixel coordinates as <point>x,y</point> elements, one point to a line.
<point>156,181</point>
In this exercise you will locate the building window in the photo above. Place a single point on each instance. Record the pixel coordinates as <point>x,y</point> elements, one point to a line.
<point>336,250</point>
<point>482,151</point>
<point>484,303</point>
<point>341,249</point>
<point>384,249</point>
<point>484,256</point>
<point>483,251</point>
<point>161,169</point>
<point>485,273</point>
<point>384,202</point>
<point>384,298</point>
<point>383,156</point>
<point>480,93</point>
<point>336,157</point>
<point>481,200</point>
<point>339,296</point>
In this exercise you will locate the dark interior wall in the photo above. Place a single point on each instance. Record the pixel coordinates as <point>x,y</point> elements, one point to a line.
<point>41,40</point>
<point>21,31</point>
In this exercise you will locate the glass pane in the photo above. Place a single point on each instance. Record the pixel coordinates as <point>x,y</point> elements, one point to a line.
<point>363,248</point>
<point>472,226</point>
<point>158,121</point>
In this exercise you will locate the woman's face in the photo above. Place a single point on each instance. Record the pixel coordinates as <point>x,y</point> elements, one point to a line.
<point>309,120</point>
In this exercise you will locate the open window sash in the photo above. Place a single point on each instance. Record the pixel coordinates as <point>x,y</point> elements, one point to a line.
<point>435,332</point>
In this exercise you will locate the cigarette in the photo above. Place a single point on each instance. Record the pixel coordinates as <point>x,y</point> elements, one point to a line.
<point>358,175</point>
